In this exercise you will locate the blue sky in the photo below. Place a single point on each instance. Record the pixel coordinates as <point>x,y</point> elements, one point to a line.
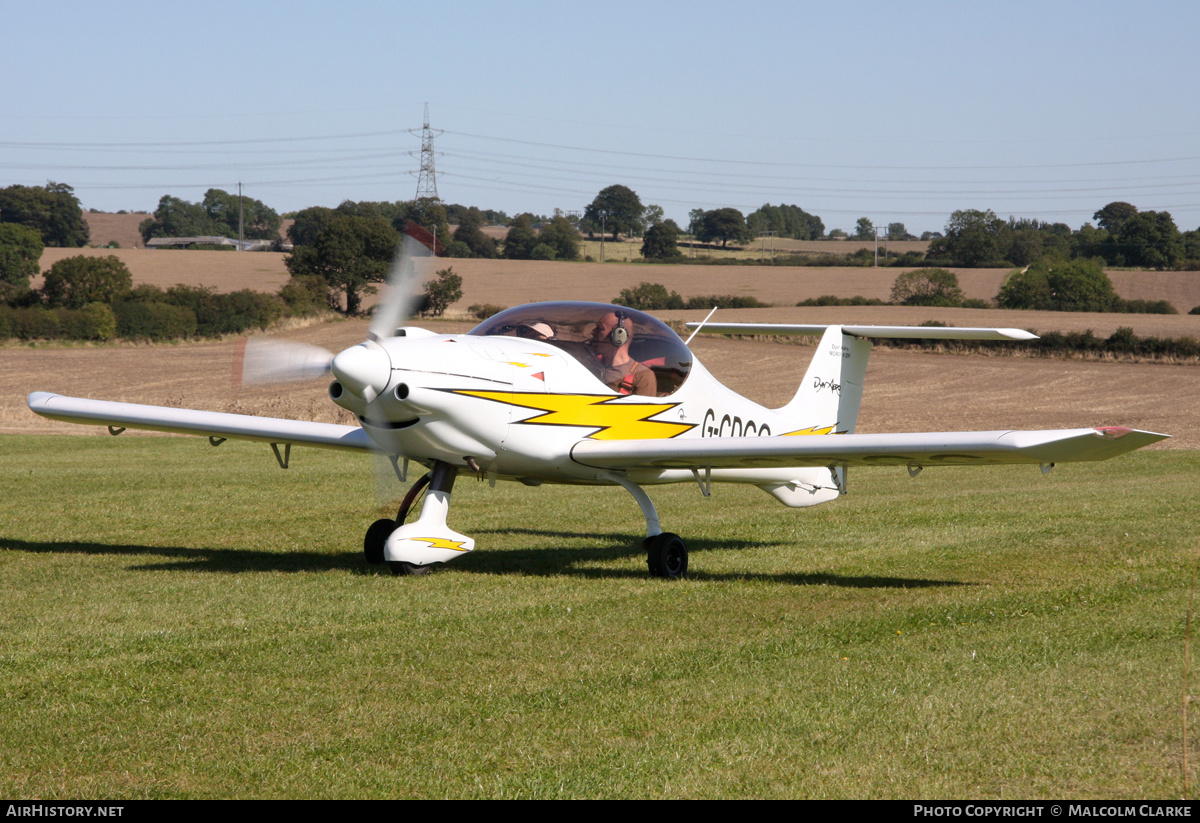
<point>893,111</point>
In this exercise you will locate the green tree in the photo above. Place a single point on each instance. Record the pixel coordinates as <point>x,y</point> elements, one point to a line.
<point>724,224</point>
<point>177,218</point>
<point>350,254</point>
<point>395,213</point>
<point>616,209</point>
<point>20,249</point>
<point>543,251</point>
<point>786,221</point>
<point>1113,216</point>
<point>1089,241</point>
<point>308,223</point>
<point>1054,283</point>
<point>649,297</point>
<point>973,238</point>
<point>1028,288</point>
<point>521,238</point>
<point>74,282</point>
<point>1078,285</point>
<point>1150,239</point>
<point>259,221</point>
<point>561,236</point>
<point>470,233</point>
<point>444,289</point>
<point>660,243</point>
<point>1191,245</point>
<point>897,231</point>
<point>52,211</point>
<point>927,287</point>
<point>653,214</point>
<point>864,229</point>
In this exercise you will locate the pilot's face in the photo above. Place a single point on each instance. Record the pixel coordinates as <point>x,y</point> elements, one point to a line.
<point>604,327</point>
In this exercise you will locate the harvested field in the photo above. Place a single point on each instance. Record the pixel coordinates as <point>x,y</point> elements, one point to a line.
<point>225,271</point>
<point>119,228</point>
<point>511,282</point>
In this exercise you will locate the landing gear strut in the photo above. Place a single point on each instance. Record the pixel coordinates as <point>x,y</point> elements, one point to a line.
<point>666,553</point>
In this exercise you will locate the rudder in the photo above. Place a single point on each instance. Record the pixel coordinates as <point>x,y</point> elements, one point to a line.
<point>830,395</point>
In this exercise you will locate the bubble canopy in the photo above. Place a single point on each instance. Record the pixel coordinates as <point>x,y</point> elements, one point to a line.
<point>572,327</point>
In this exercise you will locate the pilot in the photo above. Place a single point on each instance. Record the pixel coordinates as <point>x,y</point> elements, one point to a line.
<point>609,344</point>
<point>535,331</point>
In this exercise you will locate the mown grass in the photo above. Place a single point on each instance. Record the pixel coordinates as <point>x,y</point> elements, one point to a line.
<point>180,621</point>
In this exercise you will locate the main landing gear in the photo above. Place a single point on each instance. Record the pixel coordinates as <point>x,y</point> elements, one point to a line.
<point>666,553</point>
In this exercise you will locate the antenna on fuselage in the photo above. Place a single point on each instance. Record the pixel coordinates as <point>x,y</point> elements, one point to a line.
<point>702,322</point>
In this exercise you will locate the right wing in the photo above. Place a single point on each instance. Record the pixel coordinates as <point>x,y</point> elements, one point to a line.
<point>192,421</point>
<point>894,332</point>
<point>918,449</point>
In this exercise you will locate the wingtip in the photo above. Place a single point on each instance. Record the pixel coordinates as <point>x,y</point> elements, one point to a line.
<point>39,399</point>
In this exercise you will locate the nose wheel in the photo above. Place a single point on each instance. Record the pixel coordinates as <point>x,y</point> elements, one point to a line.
<point>381,530</point>
<point>666,555</point>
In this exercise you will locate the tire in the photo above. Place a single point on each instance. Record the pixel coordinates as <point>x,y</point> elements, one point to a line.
<point>666,556</point>
<point>401,569</point>
<point>376,537</point>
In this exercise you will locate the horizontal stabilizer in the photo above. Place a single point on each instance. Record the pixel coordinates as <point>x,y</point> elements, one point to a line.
<point>920,449</point>
<point>192,421</point>
<point>879,332</point>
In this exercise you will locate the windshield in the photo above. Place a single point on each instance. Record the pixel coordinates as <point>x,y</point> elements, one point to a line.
<point>647,358</point>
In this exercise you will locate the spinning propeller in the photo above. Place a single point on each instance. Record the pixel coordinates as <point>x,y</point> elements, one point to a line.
<point>364,369</point>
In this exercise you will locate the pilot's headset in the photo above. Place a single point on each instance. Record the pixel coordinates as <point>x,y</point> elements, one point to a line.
<point>619,335</point>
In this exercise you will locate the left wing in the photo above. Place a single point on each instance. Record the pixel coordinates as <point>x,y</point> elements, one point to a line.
<point>922,449</point>
<point>192,421</point>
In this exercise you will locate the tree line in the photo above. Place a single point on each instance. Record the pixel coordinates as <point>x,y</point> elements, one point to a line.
<point>350,247</point>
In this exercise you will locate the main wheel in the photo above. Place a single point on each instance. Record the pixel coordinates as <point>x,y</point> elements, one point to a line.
<point>666,555</point>
<point>376,536</point>
<point>399,568</point>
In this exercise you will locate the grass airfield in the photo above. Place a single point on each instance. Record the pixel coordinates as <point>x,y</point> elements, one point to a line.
<point>182,621</point>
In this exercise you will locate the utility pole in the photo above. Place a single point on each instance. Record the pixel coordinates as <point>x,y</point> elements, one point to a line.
<point>241,228</point>
<point>603,217</point>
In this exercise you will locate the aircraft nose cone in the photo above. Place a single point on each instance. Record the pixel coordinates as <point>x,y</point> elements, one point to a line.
<point>364,369</point>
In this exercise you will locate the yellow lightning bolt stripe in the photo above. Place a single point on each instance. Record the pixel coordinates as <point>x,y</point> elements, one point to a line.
<point>518,365</point>
<point>441,543</point>
<point>615,421</point>
<point>811,430</point>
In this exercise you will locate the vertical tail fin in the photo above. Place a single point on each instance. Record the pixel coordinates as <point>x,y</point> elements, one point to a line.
<point>830,394</point>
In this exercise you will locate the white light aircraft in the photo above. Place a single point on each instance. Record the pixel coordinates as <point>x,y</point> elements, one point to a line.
<point>593,394</point>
